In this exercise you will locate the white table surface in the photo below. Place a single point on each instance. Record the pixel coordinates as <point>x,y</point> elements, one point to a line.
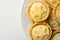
<point>10,22</point>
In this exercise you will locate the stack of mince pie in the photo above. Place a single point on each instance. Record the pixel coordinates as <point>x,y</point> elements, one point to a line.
<point>45,15</point>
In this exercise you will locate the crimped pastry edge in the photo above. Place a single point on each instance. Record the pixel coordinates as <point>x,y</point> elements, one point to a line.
<point>54,33</point>
<point>54,14</point>
<point>55,9</point>
<point>58,2</point>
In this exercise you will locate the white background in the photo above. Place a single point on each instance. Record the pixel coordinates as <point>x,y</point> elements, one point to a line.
<point>10,24</point>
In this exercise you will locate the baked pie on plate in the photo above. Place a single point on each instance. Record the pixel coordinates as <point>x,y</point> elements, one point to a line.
<point>38,11</point>
<point>40,31</point>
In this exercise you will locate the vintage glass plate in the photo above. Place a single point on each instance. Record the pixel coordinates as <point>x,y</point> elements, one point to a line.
<point>26,22</point>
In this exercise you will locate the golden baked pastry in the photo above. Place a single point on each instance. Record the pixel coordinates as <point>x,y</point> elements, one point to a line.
<point>57,12</point>
<point>56,35</point>
<point>40,31</point>
<point>38,11</point>
<point>53,22</point>
<point>40,0</point>
<point>53,2</point>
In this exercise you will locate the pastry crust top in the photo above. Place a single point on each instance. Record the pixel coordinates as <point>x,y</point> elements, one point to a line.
<point>38,11</point>
<point>40,31</point>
